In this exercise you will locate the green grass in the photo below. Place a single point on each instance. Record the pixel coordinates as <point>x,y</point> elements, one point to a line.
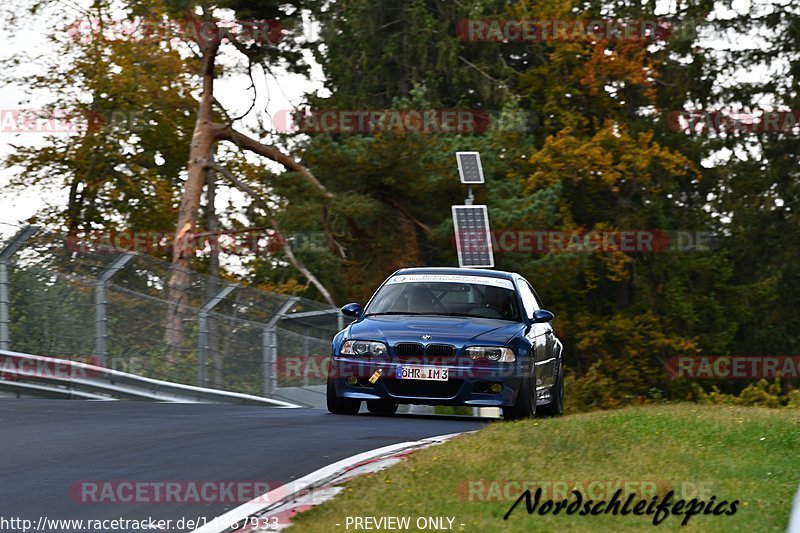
<point>745,453</point>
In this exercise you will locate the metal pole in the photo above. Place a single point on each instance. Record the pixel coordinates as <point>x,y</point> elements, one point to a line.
<point>305,354</point>
<point>268,386</point>
<point>273,357</point>
<point>269,345</point>
<point>100,305</point>
<point>5,343</point>
<point>100,324</point>
<point>202,333</point>
<point>16,242</point>
<point>202,348</point>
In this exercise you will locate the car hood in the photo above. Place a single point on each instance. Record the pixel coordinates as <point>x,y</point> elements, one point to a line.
<point>442,329</point>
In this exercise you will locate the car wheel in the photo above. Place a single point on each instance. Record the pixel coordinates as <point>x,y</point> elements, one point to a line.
<point>381,407</point>
<point>556,405</point>
<point>525,406</point>
<point>338,405</point>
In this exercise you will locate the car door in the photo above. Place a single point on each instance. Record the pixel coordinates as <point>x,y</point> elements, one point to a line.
<point>540,336</point>
<point>552,345</point>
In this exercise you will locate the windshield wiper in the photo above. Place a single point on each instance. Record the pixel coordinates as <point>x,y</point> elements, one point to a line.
<point>455,314</point>
<point>393,313</point>
<point>424,314</point>
<point>469,315</point>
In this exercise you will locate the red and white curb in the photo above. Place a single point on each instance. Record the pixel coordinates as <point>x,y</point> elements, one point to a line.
<point>274,510</point>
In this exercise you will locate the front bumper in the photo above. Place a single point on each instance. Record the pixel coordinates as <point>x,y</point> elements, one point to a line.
<point>468,383</point>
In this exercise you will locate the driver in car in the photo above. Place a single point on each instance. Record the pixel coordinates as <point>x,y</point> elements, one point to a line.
<point>499,300</point>
<point>420,300</point>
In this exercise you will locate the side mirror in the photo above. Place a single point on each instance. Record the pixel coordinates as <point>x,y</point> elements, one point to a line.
<point>540,316</point>
<point>353,309</point>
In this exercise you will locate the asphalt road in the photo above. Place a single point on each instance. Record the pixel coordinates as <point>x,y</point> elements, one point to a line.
<point>56,456</point>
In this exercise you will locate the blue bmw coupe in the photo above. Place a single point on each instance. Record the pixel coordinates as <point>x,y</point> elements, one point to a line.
<point>449,336</point>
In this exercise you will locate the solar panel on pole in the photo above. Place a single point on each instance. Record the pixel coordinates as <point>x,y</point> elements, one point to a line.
<point>473,238</point>
<point>470,169</point>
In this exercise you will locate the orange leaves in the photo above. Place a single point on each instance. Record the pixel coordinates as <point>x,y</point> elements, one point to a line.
<point>624,63</point>
<point>611,158</point>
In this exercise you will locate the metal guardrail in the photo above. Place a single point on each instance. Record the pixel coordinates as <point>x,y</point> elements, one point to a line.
<point>47,376</point>
<point>75,296</point>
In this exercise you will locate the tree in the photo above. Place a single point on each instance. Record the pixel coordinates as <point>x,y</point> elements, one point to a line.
<point>393,201</point>
<point>119,176</point>
<point>130,102</point>
<point>212,127</point>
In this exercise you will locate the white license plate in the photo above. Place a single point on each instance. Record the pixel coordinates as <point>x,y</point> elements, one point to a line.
<point>425,373</point>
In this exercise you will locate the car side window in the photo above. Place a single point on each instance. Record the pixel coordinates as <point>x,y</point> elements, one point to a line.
<point>528,298</point>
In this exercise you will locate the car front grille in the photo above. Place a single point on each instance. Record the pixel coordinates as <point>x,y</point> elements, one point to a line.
<point>423,389</point>
<point>415,349</point>
<point>409,349</point>
<point>441,350</point>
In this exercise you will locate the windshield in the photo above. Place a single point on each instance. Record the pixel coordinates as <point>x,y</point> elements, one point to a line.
<point>450,299</point>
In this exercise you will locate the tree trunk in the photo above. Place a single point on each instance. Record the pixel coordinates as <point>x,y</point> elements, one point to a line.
<point>203,138</point>
<point>213,228</point>
<point>206,134</point>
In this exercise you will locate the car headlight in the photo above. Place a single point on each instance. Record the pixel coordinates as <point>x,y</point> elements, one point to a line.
<point>492,353</point>
<point>363,348</point>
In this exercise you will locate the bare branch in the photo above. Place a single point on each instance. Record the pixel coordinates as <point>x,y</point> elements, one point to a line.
<point>426,228</point>
<point>270,152</point>
<point>287,249</point>
<point>226,34</point>
<point>480,70</point>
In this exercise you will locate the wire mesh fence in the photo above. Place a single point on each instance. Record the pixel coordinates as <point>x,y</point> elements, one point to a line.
<point>111,307</point>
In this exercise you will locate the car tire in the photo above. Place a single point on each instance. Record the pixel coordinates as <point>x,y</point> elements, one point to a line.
<point>338,405</point>
<point>556,405</point>
<point>381,407</point>
<point>525,406</point>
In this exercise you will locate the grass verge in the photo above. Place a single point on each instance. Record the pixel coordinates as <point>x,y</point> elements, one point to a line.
<point>733,453</point>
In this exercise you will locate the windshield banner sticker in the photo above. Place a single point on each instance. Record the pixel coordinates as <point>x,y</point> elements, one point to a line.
<point>452,278</point>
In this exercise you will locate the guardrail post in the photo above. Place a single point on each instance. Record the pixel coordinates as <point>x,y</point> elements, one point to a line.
<point>269,344</point>
<point>202,333</point>
<point>16,242</point>
<point>267,341</point>
<point>100,304</point>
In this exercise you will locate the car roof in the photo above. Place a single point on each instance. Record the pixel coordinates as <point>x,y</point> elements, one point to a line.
<point>463,271</point>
